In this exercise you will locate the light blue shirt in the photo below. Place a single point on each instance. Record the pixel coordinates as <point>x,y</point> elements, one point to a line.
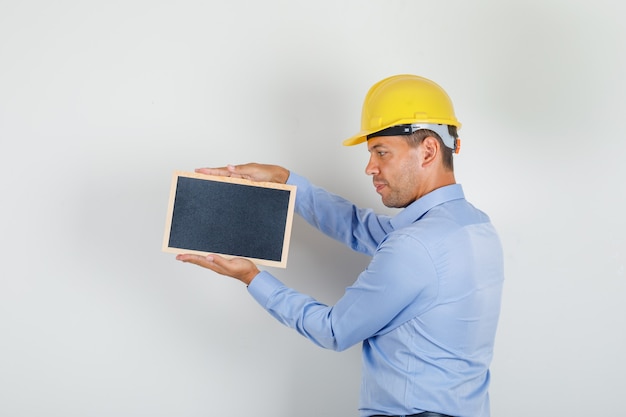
<point>426,308</point>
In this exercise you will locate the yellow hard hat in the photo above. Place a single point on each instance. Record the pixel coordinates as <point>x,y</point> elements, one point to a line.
<point>406,100</point>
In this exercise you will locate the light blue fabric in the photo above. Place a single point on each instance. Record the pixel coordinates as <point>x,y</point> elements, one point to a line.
<point>426,308</point>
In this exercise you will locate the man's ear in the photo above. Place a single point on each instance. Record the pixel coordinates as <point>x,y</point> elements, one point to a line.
<point>430,150</point>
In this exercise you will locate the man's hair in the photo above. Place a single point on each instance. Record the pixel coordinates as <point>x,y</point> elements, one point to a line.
<point>415,138</point>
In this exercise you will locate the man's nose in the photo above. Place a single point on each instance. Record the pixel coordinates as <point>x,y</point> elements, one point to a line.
<point>371,168</point>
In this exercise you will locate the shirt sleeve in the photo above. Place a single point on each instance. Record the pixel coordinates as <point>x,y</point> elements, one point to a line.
<point>399,279</point>
<point>360,229</point>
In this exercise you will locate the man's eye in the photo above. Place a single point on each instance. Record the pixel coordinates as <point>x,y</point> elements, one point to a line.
<point>382,153</point>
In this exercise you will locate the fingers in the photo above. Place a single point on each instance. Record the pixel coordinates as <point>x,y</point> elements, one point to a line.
<point>213,262</point>
<point>203,261</point>
<point>233,171</point>
<point>220,172</point>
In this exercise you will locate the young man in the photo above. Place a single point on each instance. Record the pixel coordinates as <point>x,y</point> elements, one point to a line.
<point>426,308</point>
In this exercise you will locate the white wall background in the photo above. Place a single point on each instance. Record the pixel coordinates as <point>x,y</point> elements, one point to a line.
<point>101,101</point>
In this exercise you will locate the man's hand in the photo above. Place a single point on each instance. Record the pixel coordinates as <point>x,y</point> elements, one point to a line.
<point>252,171</point>
<point>239,268</point>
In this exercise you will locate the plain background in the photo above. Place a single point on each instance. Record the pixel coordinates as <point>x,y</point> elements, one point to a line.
<point>101,101</point>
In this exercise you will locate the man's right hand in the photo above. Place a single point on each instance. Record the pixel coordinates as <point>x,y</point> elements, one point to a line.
<point>251,171</point>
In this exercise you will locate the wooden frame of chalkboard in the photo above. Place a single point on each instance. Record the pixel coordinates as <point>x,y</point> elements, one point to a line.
<point>231,217</point>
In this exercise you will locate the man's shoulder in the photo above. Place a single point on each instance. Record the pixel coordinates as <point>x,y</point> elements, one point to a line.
<point>443,220</point>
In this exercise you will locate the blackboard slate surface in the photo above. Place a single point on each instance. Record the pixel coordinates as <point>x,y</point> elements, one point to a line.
<point>229,216</point>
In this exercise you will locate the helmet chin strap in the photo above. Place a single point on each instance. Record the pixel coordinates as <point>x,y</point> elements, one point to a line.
<point>441,130</point>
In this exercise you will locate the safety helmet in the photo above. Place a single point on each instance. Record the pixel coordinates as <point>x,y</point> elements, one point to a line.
<point>402,104</point>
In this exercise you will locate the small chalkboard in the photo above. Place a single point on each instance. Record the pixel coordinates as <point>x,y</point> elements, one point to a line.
<point>229,216</point>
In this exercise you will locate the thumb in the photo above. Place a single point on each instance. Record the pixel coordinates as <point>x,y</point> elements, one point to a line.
<point>216,260</point>
<point>236,171</point>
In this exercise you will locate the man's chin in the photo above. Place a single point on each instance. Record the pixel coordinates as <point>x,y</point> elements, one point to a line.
<point>394,203</point>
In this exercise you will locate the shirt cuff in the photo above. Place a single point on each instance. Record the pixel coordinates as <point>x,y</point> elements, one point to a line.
<point>297,180</point>
<point>263,286</point>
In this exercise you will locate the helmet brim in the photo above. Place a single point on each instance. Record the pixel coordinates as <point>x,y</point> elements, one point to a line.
<point>356,139</point>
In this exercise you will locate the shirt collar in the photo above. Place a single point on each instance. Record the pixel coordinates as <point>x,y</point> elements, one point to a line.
<point>422,205</point>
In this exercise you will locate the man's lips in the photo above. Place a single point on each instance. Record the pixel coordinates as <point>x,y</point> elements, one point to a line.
<point>379,186</point>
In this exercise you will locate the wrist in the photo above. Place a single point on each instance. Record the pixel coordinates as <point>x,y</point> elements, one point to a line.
<point>248,277</point>
<point>282,175</point>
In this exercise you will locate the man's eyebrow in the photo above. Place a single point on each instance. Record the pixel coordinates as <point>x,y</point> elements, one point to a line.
<point>377,146</point>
